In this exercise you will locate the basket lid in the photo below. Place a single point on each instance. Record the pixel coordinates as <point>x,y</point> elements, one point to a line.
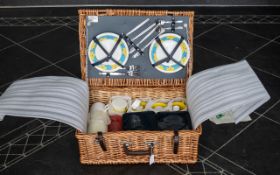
<point>107,20</point>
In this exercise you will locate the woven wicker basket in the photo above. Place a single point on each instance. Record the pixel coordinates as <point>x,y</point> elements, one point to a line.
<point>132,147</point>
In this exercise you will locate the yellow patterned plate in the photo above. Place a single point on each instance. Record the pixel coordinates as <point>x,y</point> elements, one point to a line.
<point>169,41</point>
<point>108,40</point>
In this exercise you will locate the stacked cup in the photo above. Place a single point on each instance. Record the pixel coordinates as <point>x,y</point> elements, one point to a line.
<point>118,105</point>
<point>99,118</point>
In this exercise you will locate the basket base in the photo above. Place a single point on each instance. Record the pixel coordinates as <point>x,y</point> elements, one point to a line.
<point>91,152</point>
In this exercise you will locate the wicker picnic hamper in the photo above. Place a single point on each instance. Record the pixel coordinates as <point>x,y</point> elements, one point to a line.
<point>132,147</point>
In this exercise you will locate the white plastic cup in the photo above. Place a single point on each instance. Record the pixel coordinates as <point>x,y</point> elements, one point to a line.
<point>98,106</point>
<point>97,126</point>
<point>100,115</point>
<point>119,104</point>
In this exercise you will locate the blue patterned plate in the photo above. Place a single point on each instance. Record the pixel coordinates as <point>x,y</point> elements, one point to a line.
<point>169,41</point>
<point>108,40</point>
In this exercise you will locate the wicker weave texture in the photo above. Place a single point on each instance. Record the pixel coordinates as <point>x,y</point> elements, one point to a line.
<point>101,89</point>
<point>91,152</point>
<point>101,94</point>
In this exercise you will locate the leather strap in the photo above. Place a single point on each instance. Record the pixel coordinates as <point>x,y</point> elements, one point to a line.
<point>175,142</point>
<point>100,140</point>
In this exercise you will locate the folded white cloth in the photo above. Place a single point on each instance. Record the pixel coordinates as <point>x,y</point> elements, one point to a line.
<point>231,88</point>
<point>63,99</point>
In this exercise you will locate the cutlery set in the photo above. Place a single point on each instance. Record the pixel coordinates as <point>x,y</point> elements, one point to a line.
<point>155,28</point>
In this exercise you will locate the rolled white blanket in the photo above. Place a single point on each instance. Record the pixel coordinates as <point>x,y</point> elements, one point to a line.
<point>231,88</point>
<point>63,99</point>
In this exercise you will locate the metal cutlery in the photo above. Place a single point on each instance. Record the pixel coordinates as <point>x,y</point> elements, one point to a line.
<point>143,39</point>
<point>128,73</point>
<point>131,42</point>
<point>138,26</point>
<point>155,27</point>
<point>131,68</point>
<point>162,22</point>
<point>143,32</point>
<point>162,30</point>
<point>133,73</point>
<point>187,31</point>
<point>176,28</point>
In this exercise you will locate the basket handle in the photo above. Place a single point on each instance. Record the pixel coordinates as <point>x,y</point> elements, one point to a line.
<point>100,139</point>
<point>175,142</point>
<point>138,152</point>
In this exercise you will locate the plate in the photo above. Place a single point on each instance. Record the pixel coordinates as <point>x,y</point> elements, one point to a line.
<point>169,41</point>
<point>108,40</point>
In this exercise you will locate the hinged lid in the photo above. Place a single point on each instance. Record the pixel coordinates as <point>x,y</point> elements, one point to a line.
<point>150,85</point>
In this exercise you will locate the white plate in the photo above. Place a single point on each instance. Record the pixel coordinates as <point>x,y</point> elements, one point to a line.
<point>169,41</point>
<point>108,40</point>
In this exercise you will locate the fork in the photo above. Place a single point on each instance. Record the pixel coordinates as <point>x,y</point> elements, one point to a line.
<point>128,73</point>
<point>131,68</point>
<point>162,22</point>
<point>133,73</point>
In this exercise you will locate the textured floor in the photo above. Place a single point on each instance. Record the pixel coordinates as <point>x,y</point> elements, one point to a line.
<point>39,46</point>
